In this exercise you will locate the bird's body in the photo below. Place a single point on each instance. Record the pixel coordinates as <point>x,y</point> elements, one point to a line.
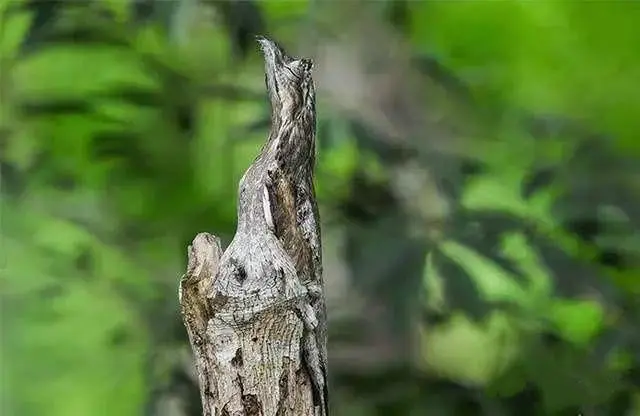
<point>271,272</point>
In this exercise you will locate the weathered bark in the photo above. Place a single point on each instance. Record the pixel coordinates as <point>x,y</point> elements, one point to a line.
<point>255,313</point>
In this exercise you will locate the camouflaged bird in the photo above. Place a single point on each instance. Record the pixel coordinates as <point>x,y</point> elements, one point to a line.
<point>266,288</point>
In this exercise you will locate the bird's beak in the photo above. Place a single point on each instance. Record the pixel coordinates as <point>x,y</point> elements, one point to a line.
<point>273,54</point>
<point>273,66</point>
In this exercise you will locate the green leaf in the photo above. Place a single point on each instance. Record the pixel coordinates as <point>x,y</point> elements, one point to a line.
<point>445,348</point>
<point>491,280</point>
<point>568,376</point>
<point>21,149</point>
<point>577,321</point>
<point>500,190</point>
<point>76,71</point>
<point>275,10</point>
<point>13,30</point>
<point>434,286</point>
<point>336,166</point>
<point>217,171</point>
<point>516,248</point>
<point>119,8</point>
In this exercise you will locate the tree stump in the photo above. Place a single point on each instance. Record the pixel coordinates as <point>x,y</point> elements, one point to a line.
<point>255,313</point>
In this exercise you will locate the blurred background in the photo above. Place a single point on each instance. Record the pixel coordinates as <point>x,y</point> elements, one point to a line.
<point>477,179</point>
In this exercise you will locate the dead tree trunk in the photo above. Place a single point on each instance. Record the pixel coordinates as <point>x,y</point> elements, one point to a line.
<point>255,313</point>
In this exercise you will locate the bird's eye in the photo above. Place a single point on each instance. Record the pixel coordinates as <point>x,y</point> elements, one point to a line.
<point>308,64</point>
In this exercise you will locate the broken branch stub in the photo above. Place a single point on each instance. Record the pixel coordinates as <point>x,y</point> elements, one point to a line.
<point>255,313</point>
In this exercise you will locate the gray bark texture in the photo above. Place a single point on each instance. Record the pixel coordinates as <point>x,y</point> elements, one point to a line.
<point>255,312</point>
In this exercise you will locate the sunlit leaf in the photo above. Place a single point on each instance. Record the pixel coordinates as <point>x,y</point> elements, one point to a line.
<point>336,166</point>
<point>119,8</point>
<point>12,33</point>
<point>516,248</point>
<point>578,321</point>
<point>493,282</point>
<point>79,71</point>
<point>446,348</point>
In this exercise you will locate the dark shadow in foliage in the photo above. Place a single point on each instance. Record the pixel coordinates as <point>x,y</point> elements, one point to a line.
<point>231,93</point>
<point>432,67</point>
<point>124,147</point>
<point>392,153</point>
<point>537,180</point>
<point>134,95</point>
<point>347,330</point>
<point>57,107</point>
<point>573,277</point>
<point>385,261</point>
<point>367,200</point>
<point>84,261</point>
<point>387,265</point>
<point>45,13</point>
<point>570,379</point>
<point>94,34</point>
<point>459,290</point>
<point>142,10</point>
<point>613,185</point>
<point>398,14</point>
<point>63,180</point>
<point>579,208</point>
<point>325,138</point>
<point>483,231</point>
<point>403,390</point>
<point>449,172</point>
<point>96,28</point>
<point>243,20</point>
<point>181,387</point>
<point>12,182</point>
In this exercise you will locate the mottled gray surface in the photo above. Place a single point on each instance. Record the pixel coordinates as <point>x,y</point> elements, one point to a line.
<point>255,313</point>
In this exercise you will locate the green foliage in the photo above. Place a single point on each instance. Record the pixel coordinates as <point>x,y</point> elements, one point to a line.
<point>107,185</point>
<point>536,57</point>
<point>69,328</point>
<point>549,57</point>
<point>523,287</point>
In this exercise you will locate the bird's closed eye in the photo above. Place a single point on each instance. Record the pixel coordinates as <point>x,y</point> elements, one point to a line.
<point>307,64</point>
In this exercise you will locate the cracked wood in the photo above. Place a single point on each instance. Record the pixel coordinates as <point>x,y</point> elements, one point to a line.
<point>255,313</point>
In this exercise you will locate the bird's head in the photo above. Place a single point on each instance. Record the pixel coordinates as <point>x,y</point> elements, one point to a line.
<point>289,82</point>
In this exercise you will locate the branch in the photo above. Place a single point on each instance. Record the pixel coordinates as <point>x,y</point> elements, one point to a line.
<point>255,314</point>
